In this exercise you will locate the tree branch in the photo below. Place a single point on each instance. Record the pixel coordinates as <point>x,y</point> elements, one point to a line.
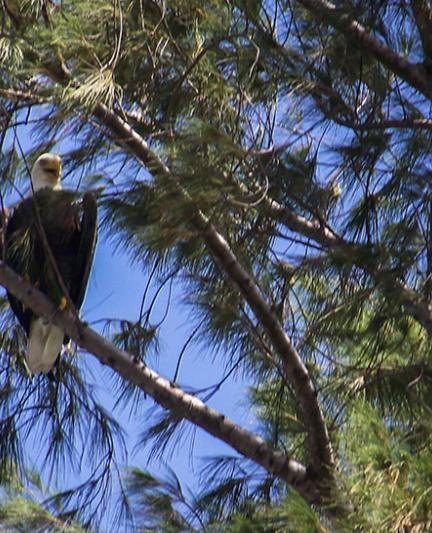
<point>406,375</point>
<point>415,307</point>
<point>408,123</point>
<point>164,392</point>
<point>15,95</point>
<point>414,74</point>
<point>292,365</point>
<point>311,229</point>
<point>423,15</point>
<point>355,253</point>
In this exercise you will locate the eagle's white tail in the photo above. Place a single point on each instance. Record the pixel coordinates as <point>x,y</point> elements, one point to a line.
<point>44,345</point>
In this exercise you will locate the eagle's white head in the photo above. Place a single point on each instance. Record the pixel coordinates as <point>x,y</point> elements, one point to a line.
<point>46,172</point>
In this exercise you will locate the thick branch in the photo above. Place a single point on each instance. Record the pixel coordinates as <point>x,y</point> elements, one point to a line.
<point>292,364</point>
<point>164,392</point>
<point>122,133</point>
<point>15,95</point>
<point>415,75</point>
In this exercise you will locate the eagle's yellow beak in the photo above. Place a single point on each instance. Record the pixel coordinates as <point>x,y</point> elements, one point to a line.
<point>51,165</point>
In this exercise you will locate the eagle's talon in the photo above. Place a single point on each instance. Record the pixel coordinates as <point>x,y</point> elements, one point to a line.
<point>67,348</point>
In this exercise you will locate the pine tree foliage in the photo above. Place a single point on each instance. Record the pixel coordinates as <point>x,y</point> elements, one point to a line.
<point>30,508</point>
<point>269,162</point>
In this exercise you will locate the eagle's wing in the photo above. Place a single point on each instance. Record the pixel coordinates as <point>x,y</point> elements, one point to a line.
<point>86,249</point>
<point>19,248</point>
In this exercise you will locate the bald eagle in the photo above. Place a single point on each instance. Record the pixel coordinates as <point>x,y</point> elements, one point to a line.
<point>50,241</point>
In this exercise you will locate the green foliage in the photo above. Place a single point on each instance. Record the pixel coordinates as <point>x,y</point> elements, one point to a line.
<point>155,502</point>
<point>26,509</point>
<point>264,113</point>
<point>390,481</point>
<point>20,514</point>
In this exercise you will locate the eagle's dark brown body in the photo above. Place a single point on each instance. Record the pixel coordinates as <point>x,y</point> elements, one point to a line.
<point>67,224</point>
